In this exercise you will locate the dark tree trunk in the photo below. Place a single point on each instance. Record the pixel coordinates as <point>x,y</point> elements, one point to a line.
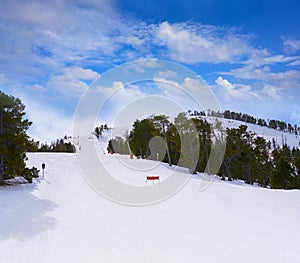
<point>227,170</point>
<point>141,152</point>
<point>1,170</point>
<point>167,147</point>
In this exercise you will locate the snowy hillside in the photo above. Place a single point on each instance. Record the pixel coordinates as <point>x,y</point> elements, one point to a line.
<point>289,138</point>
<point>59,218</point>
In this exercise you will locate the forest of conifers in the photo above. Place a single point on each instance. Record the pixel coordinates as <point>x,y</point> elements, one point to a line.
<point>247,156</point>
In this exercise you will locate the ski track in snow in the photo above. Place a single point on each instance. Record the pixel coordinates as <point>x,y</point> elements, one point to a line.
<point>59,218</point>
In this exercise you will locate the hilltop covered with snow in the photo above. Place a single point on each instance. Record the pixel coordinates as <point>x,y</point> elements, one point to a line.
<point>280,137</point>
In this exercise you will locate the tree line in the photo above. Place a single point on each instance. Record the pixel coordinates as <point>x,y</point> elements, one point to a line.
<point>60,145</point>
<point>247,157</point>
<point>227,114</point>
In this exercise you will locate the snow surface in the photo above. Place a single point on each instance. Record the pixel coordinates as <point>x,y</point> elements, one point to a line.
<point>59,218</point>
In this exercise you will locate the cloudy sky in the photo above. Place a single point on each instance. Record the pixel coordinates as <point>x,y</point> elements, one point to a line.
<point>248,52</point>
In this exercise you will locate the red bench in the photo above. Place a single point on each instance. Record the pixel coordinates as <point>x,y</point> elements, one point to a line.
<point>152,178</point>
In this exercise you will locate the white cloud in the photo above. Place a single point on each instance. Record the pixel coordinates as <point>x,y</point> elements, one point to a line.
<point>291,46</point>
<point>236,91</point>
<point>76,73</point>
<point>166,74</point>
<point>272,91</point>
<point>192,85</point>
<point>53,15</point>
<point>49,123</point>
<point>124,104</point>
<point>116,97</point>
<point>48,35</point>
<point>286,78</point>
<point>135,41</point>
<point>39,38</point>
<point>186,94</point>
<point>199,43</point>
<point>71,82</point>
<point>261,57</point>
<point>142,65</point>
<point>294,63</point>
<point>170,88</point>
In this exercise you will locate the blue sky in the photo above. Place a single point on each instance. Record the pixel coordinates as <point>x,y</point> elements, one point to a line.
<point>248,52</point>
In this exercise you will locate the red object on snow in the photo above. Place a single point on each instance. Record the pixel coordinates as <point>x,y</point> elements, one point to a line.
<point>152,178</point>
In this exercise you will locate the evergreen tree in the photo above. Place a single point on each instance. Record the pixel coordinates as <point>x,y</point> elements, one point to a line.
<point>189,138</point>
<point>162,123</point>
<point>13,138</point>
<point>191,142</point>
<point>97,132</point>
<point>140,136</point>
<point>281,175</point>
<point>204,135</point>
<point>174,144</point>
<point>118,145</point>
<point>246,157</point>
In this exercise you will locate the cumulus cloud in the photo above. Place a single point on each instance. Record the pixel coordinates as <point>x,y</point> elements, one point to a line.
<point>236,91</point>
<point>48,123</point>
<point>71,82</point>
<point>115,97</point>
<point>199,43</point>
<point>188,93</point>
<point>120,105</point>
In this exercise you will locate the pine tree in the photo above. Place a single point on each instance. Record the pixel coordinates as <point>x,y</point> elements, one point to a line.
<point>174,144</point>
<point>281,175</point>
<point>204,135</point>
<point>189,138</point>
<point>162,123</point>
<point>140,136</point>
<point>13,138</point>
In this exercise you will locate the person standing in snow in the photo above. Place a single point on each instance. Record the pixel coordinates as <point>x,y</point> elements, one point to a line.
<point>43,167</point>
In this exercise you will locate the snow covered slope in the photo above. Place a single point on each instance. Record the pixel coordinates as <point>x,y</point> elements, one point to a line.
<point>290,138</point>
<point>59,218</point>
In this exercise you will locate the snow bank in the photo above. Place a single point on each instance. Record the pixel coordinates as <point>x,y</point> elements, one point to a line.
<point>16,180</point>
